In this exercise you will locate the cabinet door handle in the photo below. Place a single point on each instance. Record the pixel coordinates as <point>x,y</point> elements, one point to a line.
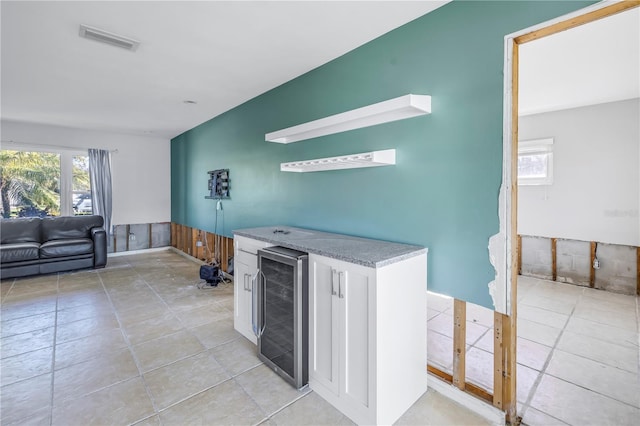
<point>254,296</point>
<point>333,282</point>
<point>340,289</point>
<point>263,294</point>
<point>245,282</point>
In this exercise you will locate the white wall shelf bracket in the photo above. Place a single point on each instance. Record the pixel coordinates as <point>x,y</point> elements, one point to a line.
<point>386,157</point>
<point>400,108</point>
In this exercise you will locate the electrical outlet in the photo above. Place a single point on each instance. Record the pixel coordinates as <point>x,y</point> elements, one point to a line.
<point>132,236</point>
<point>596,263</point>
<point>198,243</point>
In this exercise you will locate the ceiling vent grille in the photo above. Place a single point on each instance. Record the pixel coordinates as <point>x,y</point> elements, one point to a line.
<point>102,36</point>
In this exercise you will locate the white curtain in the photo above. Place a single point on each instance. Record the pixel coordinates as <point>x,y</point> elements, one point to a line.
<point>100,173</point>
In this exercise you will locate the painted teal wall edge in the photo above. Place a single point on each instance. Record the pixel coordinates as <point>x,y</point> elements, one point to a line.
<point>443,191</point>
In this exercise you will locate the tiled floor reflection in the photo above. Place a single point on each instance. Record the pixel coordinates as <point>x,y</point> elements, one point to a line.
<point>138,343</point>
<point>578,352</point>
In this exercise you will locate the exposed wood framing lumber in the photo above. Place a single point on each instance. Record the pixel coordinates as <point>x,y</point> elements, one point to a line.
<point>638,268</point>
<point>127,236</point>
<point>470,388</point>
<point>519,250</point>
<point>592,270</point>
<point>150,235</point>
<point>554,262</point>
<point>508,325</point>
<point>184,238</point>
<point>498,363</point>
<point>459,344</point>
<point>578,20</point>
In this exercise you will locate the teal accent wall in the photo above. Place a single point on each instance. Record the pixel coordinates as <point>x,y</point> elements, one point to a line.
<point>443,191</point>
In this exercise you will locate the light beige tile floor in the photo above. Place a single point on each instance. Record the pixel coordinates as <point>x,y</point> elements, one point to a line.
<point>138,343</point>
<point>578,352</point>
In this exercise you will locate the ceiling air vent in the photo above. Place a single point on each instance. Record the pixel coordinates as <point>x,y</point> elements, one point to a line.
<point>109,38</point>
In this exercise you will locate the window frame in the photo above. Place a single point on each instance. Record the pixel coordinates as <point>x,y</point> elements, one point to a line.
<point>537,147</point>
<point>66,170</point>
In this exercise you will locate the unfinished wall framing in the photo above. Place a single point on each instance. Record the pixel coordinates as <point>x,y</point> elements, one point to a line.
<point>574,262</point>
<point>202,245</point>
<point>140,236</point>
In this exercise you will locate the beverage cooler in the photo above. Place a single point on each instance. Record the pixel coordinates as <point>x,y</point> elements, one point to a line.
<point>282,313</point>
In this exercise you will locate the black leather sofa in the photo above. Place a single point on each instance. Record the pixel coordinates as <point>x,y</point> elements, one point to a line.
<point>31,246</point>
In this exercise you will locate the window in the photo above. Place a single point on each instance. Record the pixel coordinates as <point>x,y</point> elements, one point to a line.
<point>535,162</point>
<point>41,183</point>
<point>81,186</point>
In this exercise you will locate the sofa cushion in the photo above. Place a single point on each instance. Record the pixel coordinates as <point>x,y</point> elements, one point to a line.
<point>18,252</point>
<point>21,230</point>
<point>62,248</point>
<point>65,227</point>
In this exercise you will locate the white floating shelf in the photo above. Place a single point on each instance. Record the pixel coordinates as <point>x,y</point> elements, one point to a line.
<point>406,106</point>
<point>386,157</point>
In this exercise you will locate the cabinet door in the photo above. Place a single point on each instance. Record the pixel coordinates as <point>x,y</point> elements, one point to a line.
<point>354,287</point>
<point>323,324</point>
<point>243,294</point>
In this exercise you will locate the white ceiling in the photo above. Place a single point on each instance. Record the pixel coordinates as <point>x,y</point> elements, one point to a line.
<point>595,63</point>
<point>219,54</point>
<point>223,53</point>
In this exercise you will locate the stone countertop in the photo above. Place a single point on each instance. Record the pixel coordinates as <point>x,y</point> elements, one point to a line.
<point>361,251</point>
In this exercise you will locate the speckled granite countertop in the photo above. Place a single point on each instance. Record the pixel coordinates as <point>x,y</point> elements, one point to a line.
<point>362,251</point>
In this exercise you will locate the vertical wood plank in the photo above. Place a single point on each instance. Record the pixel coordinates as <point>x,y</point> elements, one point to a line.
<point>509,326</point>
<point>210,241</point>
<point>592,270</point>
<point>498,362</point>
<point>194,240</point>
<point>174,242</point>
<point>554,262</point>
<point>519,250</point>
<point>127,235</point>
<point>638,267</point>
<point>459,345</point>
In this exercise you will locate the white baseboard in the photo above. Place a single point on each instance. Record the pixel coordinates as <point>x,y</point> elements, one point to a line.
<point>489,412</point>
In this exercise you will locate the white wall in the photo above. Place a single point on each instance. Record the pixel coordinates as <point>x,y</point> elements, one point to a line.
<point>595,195</point>
<point>141,169</point>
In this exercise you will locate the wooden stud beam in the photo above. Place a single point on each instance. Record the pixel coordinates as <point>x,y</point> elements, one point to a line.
<point>554,262</point>
<point>592,271</point>
<point>469,388</point>
<point>578,20</point>
<point>498,361</point>
<point>638,268</point>
<point>127,236</point>
<point>459,344</point>
<point>519,250</point>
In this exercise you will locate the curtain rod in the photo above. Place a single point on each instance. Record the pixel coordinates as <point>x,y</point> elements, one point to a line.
<point>41,145</point>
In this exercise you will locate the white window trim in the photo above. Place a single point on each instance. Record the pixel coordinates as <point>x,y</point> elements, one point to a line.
<point>537,146</point>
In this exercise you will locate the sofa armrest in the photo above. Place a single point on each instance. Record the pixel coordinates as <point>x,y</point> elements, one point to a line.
<point>99,237</point>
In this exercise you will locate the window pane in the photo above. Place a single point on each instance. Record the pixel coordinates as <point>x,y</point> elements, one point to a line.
<point>532,166</point>
<point>30,183</point>
<point>81,186</point>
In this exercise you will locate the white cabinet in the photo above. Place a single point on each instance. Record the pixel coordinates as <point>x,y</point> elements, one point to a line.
<point>245,265</point>
<point>368,344</point>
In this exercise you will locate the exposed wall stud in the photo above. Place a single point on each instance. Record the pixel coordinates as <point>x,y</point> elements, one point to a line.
<point>498,363</point>
<point>638,267</point>
<point>554,259</point>
<point>519,250</point>
<point>127,234</point>
<point>592,270</point>
<point>459,344</point>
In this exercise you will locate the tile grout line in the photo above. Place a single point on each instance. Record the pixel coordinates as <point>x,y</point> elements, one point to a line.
<point>53,349</point>
<point>536,383</point>
<point>128,342</point>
